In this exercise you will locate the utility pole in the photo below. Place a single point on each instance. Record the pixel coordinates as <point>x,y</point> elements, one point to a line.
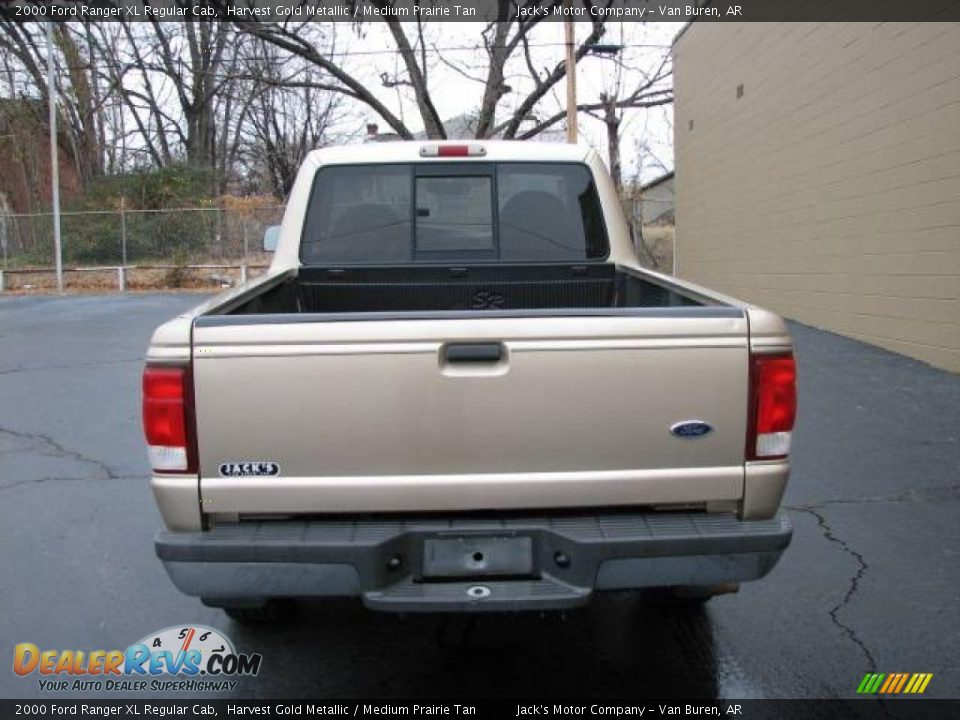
<point>571,79</point>
<point>54,159</point>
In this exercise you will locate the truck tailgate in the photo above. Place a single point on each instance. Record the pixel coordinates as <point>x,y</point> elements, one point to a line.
<point>308,416</point>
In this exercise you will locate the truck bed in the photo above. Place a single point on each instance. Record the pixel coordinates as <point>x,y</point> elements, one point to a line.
<point>463,288</point>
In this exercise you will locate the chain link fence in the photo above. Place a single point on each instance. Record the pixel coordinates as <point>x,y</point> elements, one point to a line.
<point>175,244</point>
<point>189,246</point>
<point>182,236</point>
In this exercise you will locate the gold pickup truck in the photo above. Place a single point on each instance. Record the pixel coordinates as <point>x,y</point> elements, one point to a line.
<point>457,390</point>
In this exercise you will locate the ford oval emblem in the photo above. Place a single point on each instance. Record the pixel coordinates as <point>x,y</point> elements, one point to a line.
<point>691,429</point>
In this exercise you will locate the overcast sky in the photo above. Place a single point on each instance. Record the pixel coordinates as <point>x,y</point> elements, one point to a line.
<point>455,55</point>
<point>451,47</point>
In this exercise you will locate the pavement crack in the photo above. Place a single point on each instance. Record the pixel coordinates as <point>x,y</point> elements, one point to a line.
<point>52,448</point>
<point>936,493</point>
<point>862,568</point>
<point>41,480</point>
<point>73,366</point>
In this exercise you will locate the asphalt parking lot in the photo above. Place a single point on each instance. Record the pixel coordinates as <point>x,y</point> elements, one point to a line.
<point>871,581</point>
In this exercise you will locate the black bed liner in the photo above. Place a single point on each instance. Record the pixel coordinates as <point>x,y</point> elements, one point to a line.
<point>462,288</point>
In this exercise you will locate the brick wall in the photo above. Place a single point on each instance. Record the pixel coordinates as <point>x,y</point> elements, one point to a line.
<point>25,158</point>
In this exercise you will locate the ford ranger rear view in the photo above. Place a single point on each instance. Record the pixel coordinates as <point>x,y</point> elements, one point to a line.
<point>457,390</point>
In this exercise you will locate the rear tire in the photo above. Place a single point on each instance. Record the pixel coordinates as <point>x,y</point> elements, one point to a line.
<point>692,595</point>
<point>271,611</point>
<point>687,595</point>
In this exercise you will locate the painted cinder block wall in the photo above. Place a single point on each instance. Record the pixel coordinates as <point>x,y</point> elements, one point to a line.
<point>818,175</point>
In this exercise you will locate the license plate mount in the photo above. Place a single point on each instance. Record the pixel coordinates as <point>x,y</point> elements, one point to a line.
<point>447,558</point>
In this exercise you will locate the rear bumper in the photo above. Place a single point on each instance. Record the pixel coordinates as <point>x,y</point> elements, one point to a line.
<point>570,556</point>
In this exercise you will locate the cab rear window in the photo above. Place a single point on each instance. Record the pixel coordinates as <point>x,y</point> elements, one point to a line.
<point>390,214</point>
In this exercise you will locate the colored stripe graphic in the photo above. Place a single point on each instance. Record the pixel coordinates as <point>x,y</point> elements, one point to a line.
<point>918,683</point>
<point>894,683</point>
<point>890,686</point>
<point>870,683</point>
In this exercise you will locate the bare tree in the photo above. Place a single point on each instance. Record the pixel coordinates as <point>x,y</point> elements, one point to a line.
<point>81,99</point>
<point>190,55</point>
<point>502,40</point>
<point>648,88</point>
<point>176,81</point>
<point>247,99</point>
<point>289,116</point>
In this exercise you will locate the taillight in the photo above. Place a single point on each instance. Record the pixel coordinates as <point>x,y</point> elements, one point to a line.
<point>168,419</point>
<point>773,406</point>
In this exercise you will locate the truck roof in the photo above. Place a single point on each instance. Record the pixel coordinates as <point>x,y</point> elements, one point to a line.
<point>405,151</point>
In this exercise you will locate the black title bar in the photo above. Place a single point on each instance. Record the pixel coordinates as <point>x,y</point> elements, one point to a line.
<point>267,11</point>
<point>866,709</point>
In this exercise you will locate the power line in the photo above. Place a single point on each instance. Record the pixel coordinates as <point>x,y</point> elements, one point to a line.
<point>661,46</point>
<point>282,62</point>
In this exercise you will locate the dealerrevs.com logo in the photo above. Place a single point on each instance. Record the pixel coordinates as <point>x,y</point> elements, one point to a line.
<point>188,658</point>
